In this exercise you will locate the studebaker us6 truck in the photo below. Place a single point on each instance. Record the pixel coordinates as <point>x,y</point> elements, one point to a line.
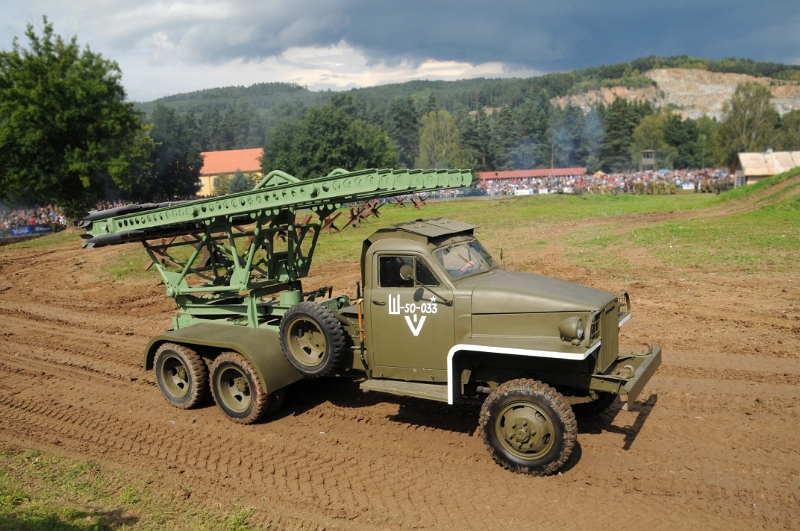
<point>438,318</point>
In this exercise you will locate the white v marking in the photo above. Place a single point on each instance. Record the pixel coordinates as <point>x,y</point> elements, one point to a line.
<point>415,329</point>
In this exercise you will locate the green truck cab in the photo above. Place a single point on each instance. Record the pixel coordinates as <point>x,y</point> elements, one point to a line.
<point>438,318</point>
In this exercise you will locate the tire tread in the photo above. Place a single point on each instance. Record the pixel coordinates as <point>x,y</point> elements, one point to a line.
<point>531,388</point>
<point>261,400</point>
<point>198,372</point>
<point>332,329</point>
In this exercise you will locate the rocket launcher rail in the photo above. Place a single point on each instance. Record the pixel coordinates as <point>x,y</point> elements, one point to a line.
<point>238,249</point>
<point>276,192</point>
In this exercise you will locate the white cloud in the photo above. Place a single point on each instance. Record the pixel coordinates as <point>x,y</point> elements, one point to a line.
<point>336,67</point>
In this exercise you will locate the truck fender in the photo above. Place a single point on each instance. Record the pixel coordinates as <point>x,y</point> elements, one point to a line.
<point>454,369</point>
<point>260,346</point>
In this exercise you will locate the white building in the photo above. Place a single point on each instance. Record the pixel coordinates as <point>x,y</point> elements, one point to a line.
<point>752,167</point>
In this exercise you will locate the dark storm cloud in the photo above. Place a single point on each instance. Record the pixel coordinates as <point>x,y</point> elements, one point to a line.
<point>535,34</point>
<point>565,35</point>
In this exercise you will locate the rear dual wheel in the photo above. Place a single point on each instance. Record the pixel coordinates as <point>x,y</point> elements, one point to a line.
<point>182,375</point>
<point>237,389</point>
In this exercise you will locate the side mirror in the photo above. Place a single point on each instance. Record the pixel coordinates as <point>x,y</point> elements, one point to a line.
<point>406,272</point>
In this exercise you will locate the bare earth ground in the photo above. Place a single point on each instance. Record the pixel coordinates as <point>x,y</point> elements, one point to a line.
<point>712,444</point>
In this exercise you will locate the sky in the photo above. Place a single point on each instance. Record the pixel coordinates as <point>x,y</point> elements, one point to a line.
<point>165,47</point>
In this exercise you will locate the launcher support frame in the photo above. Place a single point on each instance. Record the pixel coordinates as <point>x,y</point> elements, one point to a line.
<point>235,243</point>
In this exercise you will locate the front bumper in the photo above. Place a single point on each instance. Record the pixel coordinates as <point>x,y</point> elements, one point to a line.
<point>647,365</point>
<point>628,375</point>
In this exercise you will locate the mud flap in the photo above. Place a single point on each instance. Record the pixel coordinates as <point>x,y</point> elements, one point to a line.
<point>640,378</point>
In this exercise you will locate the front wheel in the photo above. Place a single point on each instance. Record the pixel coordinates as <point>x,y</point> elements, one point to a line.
<point>528,427</point>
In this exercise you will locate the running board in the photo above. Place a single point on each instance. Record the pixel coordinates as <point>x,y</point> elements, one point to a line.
<point>437,392</point>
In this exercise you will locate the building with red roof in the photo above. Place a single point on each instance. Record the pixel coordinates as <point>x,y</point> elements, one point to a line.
<point>219,163</point>
<point>522,174</point>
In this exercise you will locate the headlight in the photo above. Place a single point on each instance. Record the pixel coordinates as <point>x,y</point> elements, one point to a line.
<point>571,329</point>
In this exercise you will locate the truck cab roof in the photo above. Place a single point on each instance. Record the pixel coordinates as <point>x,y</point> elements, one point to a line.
<point>426,232</point>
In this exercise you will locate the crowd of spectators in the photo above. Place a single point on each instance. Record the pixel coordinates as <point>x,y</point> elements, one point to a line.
<point>48,217</point>
<point>647,182</point>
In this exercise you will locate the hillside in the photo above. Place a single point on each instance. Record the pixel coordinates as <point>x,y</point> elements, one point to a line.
<point>580,86</point>
<point>689,92</point>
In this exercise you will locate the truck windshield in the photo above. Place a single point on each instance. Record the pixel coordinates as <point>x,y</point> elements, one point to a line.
<point>463,259</point>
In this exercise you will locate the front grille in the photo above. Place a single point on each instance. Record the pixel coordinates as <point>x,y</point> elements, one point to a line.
<point>609,333</point>
<point>594,330</point>
<point>624,305</point>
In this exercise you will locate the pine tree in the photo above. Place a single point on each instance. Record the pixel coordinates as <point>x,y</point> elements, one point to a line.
<point>402,126</point>
<point>503,140</point>
<point>430,105</point>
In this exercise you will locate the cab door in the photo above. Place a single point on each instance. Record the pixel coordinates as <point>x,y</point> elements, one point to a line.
<point>411,327</point>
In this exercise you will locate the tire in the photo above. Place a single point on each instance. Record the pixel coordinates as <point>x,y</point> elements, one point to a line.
<point>182,375</point>
<point>528,427</point>
<point>311,338</point>
<point>237,389</point>
<point>595,407</point>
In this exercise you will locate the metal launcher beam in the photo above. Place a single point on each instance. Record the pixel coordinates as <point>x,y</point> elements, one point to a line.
<point>239,248</point>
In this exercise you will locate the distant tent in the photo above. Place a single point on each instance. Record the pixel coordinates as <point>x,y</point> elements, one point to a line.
<point>599,174</point>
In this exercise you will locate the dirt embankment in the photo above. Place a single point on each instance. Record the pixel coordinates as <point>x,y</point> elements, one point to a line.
<point>692,93</point>
<point>713,443</point>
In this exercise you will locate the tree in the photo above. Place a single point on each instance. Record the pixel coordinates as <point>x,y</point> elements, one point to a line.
<point>504,137</point>
<point>789,134</point>
<point>619,120</point>
<point>681,136</point>
<point>469,141</point>
<point>591,141</point>
<point>222,184</point>
<point>649,135</point>
<point>749,120</point>
<point>65,128</point>
<point>175,160</point>
<point>566,128</point>
<point>239,183</point>
<point>402,126</point>
<point>430,105</point>
<point>707,133</point>
<point>324,140</point>
<point>439,142</point>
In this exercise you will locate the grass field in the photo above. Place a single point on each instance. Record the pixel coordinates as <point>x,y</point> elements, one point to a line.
<point>753,230</point>
<point>43,492</point>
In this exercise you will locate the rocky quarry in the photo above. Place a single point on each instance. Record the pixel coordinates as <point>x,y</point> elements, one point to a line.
<point>690,93</point>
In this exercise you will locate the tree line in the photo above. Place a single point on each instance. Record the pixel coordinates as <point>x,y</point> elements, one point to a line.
<point>68,136</point>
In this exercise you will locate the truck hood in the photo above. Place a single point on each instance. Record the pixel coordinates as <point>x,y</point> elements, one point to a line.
<point>507,292</point>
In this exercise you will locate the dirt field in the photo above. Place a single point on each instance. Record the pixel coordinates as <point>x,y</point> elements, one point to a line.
<point>713,443</point>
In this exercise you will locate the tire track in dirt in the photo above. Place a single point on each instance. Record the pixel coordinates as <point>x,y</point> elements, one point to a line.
<point>706,447</point>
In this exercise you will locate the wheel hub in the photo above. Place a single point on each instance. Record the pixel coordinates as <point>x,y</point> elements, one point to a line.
<point>175,376</point>
<point>307,342</point>
<point>525,430</point>
<point>234,389</point>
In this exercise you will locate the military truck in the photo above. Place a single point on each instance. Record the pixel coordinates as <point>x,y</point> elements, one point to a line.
<point>435,316</point>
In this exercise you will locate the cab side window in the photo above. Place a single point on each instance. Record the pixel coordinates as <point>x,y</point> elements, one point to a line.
<point>389,272</point>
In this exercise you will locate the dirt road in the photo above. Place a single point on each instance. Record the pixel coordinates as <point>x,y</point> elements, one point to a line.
<point>713,444</point>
